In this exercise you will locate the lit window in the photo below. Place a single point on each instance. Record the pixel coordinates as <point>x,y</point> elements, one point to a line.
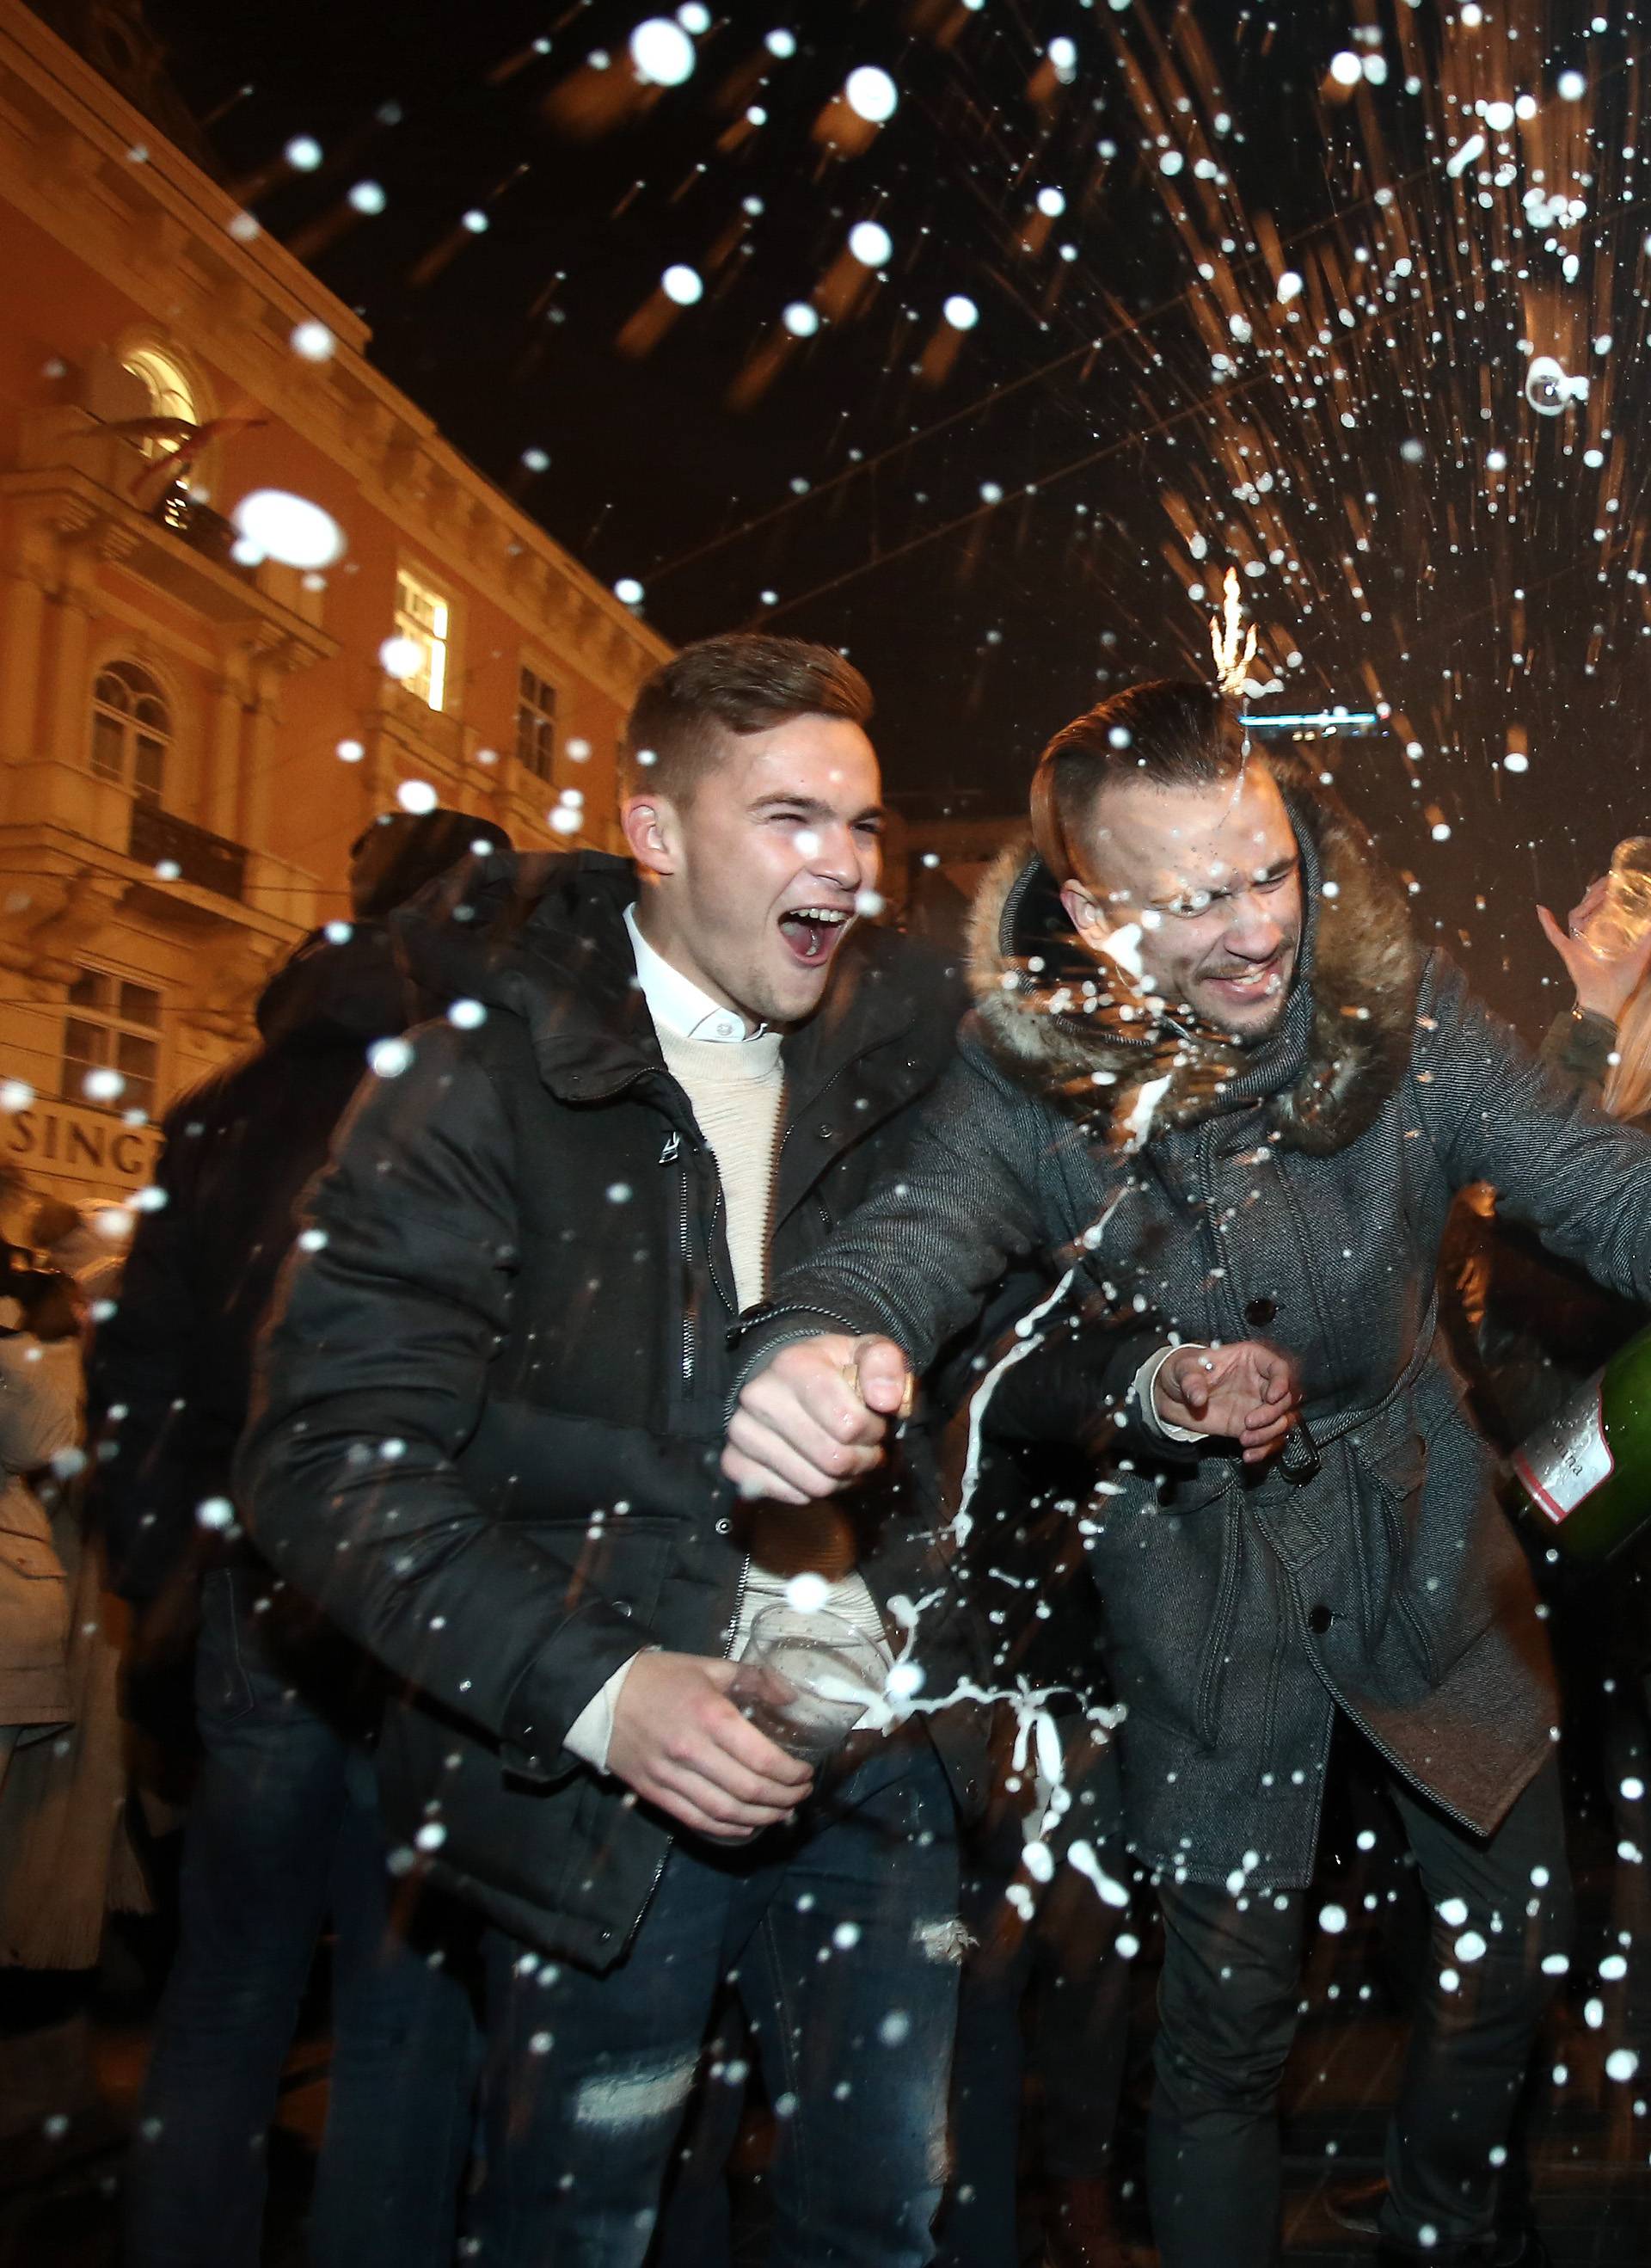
<point>536,724</point>
<point>111,1042</point>
<point>170,391</point>
<point>421,616</point>
<point>131,729</point>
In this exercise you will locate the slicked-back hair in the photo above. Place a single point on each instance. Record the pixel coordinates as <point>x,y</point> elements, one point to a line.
<point>739,683</point>
<point>1169,732</point>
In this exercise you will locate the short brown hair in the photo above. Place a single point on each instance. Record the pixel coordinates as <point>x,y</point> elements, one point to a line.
<point>740,682</point>
<point>1170,733</point>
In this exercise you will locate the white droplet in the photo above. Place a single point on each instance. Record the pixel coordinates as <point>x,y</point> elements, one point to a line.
<point>15,1094</point>
<point>103,1086</point>
<point>312,342</point>
<point>368,197</point>
<point>870,244</point>
<point>467,1015</point>
<point>350,751</point>
<point>1621,2063</point>
<point>288,528</point>
<point>1346,69</point>
<point>400,658</point>
<point>1289,286</point>
<point>868,903</point>
<point>800,319</point>
<point>303,153</point>
<point>628,590</point>
<point>682,284</point>
<point>389,1058</point>
<point>1063,54</point>
<point>694,17</point>
<point>1517,761</point>
<point>1332,1918</point>
<point>1613,1968</point>
<point>1470,1946</point>
<point>566,819</point>
<point>1453,1912</point>
<point>432,1835</point>
<point>1171,162</point>
<point>662,52</point>
<point>1498,117</point>
<point>417,796</point>
<point>961,311</point>
<point>846,1936</point>
<point>783,44</point>
<point>1633,1789</point>
<point>1052,202</point>
<point>214,1511</point>
<point>895,2029</point>
<point>1593,2013</point>
<point>1571,85</point>
<point>1441,832</point>
<point>871,94</point>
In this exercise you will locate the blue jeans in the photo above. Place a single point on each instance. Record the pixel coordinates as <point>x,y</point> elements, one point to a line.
<point>841,1936</point>
<point>281,1835</point>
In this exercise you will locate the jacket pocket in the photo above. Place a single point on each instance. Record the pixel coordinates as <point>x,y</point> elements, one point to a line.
<point>1170,1581</point>
<point>33,1605</point>
<point>1450,1553</point>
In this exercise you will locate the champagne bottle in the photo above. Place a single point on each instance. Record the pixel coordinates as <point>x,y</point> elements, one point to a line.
<point>1586,1475</point>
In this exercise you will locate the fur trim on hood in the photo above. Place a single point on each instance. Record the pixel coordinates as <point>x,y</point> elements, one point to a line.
<point>1075,1031</point>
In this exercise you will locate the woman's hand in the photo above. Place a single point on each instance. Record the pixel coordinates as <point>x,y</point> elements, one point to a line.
<point>1604,982</point>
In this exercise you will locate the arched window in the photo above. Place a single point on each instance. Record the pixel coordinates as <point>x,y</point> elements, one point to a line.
<point>131,729</point>
<point>170,391</point>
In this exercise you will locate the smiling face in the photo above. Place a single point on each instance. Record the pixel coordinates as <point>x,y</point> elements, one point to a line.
<point>752,884</point>
<point>1213,876</point>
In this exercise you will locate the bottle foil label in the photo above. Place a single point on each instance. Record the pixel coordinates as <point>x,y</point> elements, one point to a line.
<point>1568,1460</point>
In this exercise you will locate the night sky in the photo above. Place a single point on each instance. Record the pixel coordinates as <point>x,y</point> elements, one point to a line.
<point>1246,294</point>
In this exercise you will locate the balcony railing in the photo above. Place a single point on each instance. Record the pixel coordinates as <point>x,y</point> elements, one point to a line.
<point>200,527</point>
<point>180,852</point>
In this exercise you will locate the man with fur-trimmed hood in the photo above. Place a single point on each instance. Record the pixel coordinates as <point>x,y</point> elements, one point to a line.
<point>1212,1073</point>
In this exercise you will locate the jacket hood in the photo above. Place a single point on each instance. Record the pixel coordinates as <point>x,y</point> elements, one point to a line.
<point>336,991</point>
<point>543,935</point>
<point>1054,1019</point>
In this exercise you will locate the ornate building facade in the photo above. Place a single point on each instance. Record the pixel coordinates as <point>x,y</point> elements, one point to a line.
<point>191,733</point>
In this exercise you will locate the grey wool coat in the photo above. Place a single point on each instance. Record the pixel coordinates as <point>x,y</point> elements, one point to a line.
<point>1295,1192</point>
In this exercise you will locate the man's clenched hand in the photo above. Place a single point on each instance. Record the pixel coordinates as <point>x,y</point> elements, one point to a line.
<point>682,1744</point>
<point>814,1420</point>
<point>1248,1392</point>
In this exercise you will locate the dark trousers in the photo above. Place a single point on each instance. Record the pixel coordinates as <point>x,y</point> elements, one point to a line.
<point>1228,2003</point>
<point>1065,1961</point>
<point>840,1937</point>
<point>281,1834</point>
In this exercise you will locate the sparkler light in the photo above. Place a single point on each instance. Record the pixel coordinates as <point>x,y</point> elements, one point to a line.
<point>1233,645</point>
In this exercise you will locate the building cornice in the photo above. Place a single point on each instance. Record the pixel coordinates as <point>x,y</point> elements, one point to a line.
<point>158,230</point>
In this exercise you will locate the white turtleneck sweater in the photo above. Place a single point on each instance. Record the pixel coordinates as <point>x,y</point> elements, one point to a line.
<point>735,1083</point>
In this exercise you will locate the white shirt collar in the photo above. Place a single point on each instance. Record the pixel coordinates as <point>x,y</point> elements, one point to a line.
<point>676,1003</point>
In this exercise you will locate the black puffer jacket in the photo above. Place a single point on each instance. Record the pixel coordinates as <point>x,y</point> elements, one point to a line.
<point>175,1357</point>
<point>488,1429</point>
<point>1298,1191</point>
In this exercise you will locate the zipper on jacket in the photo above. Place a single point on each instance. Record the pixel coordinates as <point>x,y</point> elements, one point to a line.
<point>728,1648</point>
<point>687,1281</point>
<point>672,1154</point>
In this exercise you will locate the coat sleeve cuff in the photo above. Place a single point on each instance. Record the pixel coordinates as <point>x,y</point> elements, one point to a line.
<point>1579,1047</point>
<point>561,1683</point>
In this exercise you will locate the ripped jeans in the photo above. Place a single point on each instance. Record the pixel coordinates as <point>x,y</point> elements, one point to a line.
<point>841,1938</point>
